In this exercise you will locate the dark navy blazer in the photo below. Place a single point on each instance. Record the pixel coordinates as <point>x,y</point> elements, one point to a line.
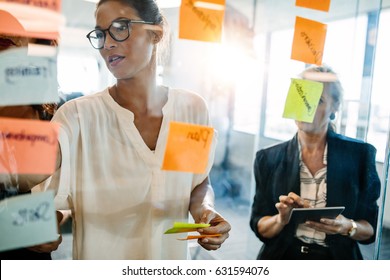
<point>352,181</point>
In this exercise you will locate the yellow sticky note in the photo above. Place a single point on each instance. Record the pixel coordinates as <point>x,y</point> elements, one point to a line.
<point>302,100</point>
<point>309,41</point>
<point>185,227</point>
<point>188,147</point>
<point>321,5</point>
<point>201,20</point>
<point>28,146</point>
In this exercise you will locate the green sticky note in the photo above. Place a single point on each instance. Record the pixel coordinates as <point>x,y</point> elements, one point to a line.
<point>185,227</point>
<point>27,220</point>
<point>302,100</point>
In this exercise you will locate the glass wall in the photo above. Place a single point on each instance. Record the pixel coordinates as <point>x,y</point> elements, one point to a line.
<point>353,47</point>
<point>245,80</point>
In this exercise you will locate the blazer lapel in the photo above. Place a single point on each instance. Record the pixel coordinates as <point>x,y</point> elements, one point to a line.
<point>334,195</point>
<point>292,166</point>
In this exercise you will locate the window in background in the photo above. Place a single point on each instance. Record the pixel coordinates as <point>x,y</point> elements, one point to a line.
<point>78,73</point>
<point>380,98</point>
<point>279,77</point>
<point>247,96</point>
<point>344,52</point>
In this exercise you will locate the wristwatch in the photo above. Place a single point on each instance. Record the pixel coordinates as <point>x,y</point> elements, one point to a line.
<point>353,229</point>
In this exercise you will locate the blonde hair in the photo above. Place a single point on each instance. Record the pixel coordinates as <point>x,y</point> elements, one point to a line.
<point>332,84</point>
<point>329,78</point>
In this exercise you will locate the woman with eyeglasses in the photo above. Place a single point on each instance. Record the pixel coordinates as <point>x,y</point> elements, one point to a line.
<point>113,143</point>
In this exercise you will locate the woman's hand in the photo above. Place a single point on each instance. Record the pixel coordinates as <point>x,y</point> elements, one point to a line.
<point>218,226</point>
<point>50,246</point>
<point>47,247</point>
<point>340,225</point>
<point>270,226</point>
<point>286,204</point>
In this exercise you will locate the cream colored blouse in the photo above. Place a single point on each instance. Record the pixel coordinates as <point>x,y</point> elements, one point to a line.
<point>122,202</point>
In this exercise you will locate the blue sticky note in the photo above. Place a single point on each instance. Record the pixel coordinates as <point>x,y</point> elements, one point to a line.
<point>27,79</point>
<point>27,220</point>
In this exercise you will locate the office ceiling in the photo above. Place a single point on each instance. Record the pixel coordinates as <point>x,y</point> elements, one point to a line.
<point>80,13</point>
<point>270,14</point>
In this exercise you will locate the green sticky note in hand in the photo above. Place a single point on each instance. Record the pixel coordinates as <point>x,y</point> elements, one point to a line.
<point>302,100</point>
<point>185,227</point>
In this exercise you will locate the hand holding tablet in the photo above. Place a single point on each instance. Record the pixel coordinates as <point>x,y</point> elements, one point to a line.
<point>301,215</point>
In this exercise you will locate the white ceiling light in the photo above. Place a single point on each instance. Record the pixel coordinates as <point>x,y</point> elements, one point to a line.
<point>163,4</point>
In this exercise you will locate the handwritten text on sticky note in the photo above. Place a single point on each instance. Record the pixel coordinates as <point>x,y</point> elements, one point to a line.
<point>27,79</point>
<point>27,146</point>
<point>302,100</point>
<point>188,147</point>
<point>27,220</point>
<point>309,41</point>
<point>201,20</point>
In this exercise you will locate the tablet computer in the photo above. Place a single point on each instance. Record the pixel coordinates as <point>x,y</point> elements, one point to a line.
<point>301,215</point>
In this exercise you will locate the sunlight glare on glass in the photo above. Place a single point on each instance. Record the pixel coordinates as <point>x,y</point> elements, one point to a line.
<point>226,62</point>
<point>210,6</point>
<point>163,4</point>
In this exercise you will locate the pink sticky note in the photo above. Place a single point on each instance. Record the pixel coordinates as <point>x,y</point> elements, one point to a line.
<point>27,146</point>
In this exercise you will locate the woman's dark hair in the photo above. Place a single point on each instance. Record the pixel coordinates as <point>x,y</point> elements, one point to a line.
<point>45,111</point>
<point>148,10</point>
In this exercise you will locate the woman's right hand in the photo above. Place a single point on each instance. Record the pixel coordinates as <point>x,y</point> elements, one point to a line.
<point>287,203</point>
<point>270,226</point>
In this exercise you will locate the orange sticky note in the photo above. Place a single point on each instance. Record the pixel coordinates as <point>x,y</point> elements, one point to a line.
<point>201,20</point>
<point>10,25</point>
<point>309,41</point>
<point>34,18</point>
<point>27,146</point>
<point>322,5</point>
<point>188,147</point>
<point>190,237</point>
<point>54,5</point>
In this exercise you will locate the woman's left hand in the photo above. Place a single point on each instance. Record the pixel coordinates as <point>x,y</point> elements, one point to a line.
<point>47,247</point>
<point>340,225</point>
<point>50,246</point>
<point>218,226</point>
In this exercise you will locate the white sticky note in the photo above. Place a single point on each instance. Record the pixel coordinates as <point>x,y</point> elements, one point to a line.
<point>27,220</point>
<point>27,79</point>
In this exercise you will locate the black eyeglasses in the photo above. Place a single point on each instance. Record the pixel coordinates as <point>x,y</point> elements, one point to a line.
<point>119,30</point>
